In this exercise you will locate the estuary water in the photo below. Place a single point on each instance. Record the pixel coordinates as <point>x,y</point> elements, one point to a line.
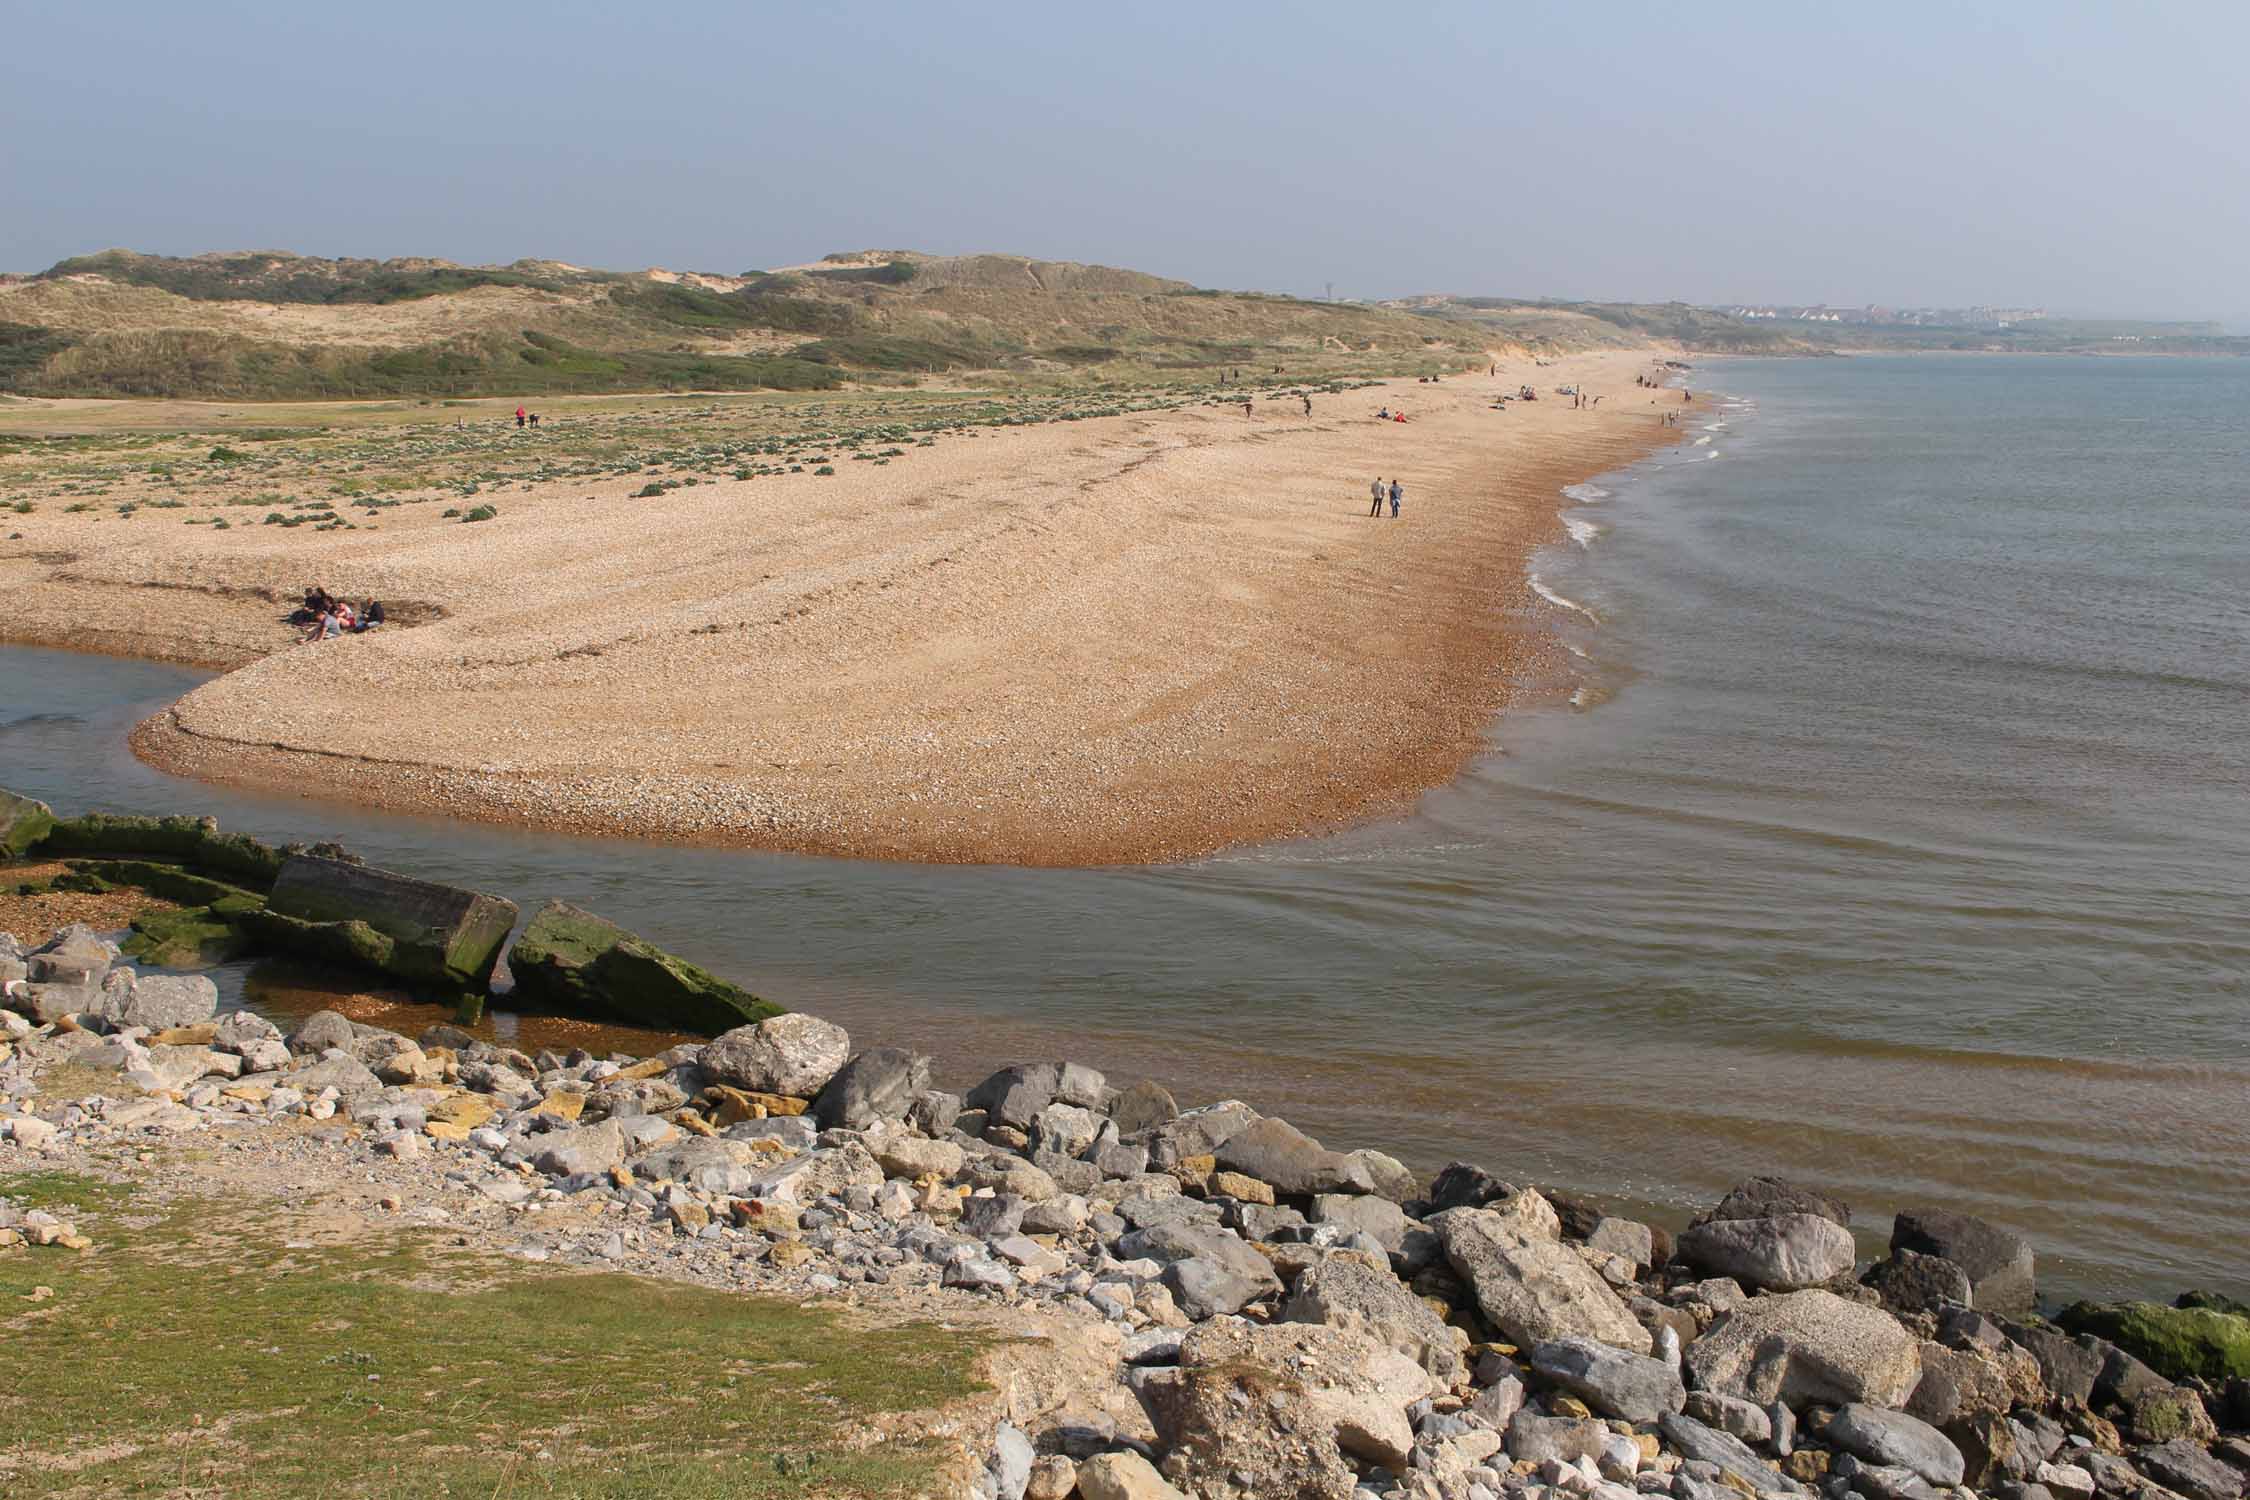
<point>1894,835</point>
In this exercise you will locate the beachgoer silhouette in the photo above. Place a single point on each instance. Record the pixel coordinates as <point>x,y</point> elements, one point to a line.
<point>1398,492</point>
<point>1376,489</point>
<point>1308,406</point>
<point>1246,411</point>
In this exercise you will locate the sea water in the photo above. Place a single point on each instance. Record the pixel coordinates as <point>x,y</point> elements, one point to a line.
<point>1898,841</point>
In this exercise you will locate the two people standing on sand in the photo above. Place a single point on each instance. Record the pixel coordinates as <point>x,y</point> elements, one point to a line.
<point>1397,492</point>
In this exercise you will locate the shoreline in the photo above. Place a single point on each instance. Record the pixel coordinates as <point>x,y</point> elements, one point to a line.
<point>1183,693</point>
<point>1471,1325</point>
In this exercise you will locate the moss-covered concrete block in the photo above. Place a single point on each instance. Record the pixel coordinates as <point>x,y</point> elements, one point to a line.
<point>2176,1342</point>
<point>571,960</point>
<point>172,882</point>
<point>194,842</point>
<point>23,824</point>
<point>193,938</point>
<point>433,936</point>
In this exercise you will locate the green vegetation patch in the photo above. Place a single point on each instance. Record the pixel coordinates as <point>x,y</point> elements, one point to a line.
<point>200,1349</point>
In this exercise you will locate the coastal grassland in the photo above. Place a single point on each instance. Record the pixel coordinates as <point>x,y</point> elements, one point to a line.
<point>209,1347</point>
<point>268,326</point>
<point>342,466</point>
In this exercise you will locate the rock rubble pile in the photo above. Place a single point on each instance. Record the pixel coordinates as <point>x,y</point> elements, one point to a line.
<point>1286,1319</point>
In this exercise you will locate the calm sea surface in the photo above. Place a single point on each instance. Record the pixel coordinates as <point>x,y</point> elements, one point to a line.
<point>1897,839</point>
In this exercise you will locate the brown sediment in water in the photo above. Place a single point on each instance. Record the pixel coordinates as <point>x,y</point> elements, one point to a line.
<point>1118,640</point>
<point>285,991</point>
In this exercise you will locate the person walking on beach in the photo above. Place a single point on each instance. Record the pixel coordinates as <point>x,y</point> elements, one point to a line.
<point>1308,406</point>
<point>1398,492</point>
<point>1376,489</point>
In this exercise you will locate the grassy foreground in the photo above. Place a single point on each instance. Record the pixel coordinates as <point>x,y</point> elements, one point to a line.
<point>201,1350</point>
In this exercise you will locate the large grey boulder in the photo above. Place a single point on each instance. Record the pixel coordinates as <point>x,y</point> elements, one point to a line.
<point>1783,1253</point>
<point>2188,1469</point>
<point>2069,1367</point>
<point>790,1054</point>
<point>1277,1152</point>
<point>320,1031</point>
<point>1895,1439</point>
<point>1014,1096</point>
<point>1208,1270</point>
<point>1633,1387</point>
<point>1692,1440</point>
<point>161,1000</point>
<point>1379,1219</point>
<point>1533,1289</point>
<point>1344,1291</point>
<point>1199,1132</point>
<point>585,1151</point>
<point>1911,1282</point>
<point>1999,1265</point>
<point>708,1166</point>
<point>1804,1347</point>
<point>879,1084</point>
<point>348,1076</point>
<point>1144,1106</point>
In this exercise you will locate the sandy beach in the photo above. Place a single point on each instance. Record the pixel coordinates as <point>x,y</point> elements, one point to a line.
<point>1117,640</point>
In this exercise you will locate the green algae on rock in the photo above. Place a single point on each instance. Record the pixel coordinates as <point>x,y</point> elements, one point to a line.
<point>23,823</point>
<point>575,961</point>
<point>437,936</point>
<point>2176,1342</point>
<point>195,842</point>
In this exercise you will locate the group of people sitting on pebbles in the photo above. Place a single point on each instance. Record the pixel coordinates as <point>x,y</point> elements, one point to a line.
<point>325,617</point>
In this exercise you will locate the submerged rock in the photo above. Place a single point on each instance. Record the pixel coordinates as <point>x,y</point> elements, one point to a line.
<point>572,960</point>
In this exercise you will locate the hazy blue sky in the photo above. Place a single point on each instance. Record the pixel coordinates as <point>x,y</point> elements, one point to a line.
<point>2090,158</point>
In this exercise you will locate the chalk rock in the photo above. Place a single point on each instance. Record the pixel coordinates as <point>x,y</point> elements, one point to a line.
<point>1122,1476</point>
<point>160,1000</point>
<point>1276,1410</point>
<point>1345,1292</point>
<point>587,1150</point>
<point>1534,1290</point>
<point>1783,1253</point>
<point>789,1054</point>
<point>1805,1347</point>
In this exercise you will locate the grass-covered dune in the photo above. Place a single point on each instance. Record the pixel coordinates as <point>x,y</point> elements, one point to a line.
<point>271,326</point>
